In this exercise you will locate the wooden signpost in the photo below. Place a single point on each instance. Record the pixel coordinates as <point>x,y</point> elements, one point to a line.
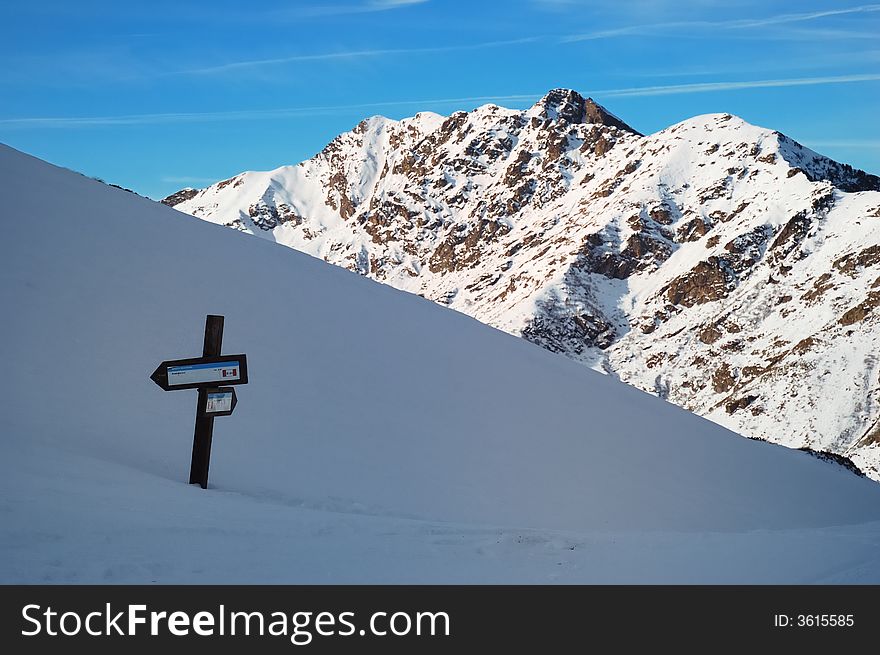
<point>205,373</point>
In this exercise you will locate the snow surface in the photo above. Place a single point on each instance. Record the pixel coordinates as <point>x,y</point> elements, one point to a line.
<point>382,438</point>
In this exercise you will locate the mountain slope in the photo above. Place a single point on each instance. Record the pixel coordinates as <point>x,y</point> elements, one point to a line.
<point>676,261</point>
<point>381,438</point>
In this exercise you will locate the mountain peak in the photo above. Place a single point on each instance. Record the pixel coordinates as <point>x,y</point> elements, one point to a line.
<point>561,226</point>
<point>571,106</point>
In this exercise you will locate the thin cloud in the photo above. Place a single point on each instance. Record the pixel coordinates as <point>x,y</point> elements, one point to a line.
<point>555,4</point>
<point>735,24</point>
<point>255,114</point>
<point>262,114</point>
<point>707,87</point>
<point>813,15</point>
<point>348,54</point>
<point>823,60</point>
<point>318,11</point>
<point>871,144</point>
<point>188,179</point>
<point>394,4</point>
<point>816,34</point>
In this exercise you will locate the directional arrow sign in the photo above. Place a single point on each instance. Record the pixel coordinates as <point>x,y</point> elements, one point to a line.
<point>201,372</point>
<point>221,401</point>
<point>205,373</point>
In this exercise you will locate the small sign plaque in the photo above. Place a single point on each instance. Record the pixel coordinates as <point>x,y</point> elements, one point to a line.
<point>227,371</point>
<point>220,401</point>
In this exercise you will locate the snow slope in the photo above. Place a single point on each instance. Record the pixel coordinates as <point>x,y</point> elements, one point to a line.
<point>676,261</point>
<point>382,438</point>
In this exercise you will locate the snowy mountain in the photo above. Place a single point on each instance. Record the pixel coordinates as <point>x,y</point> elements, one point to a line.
<point>719,265</point>
<point>381,438</point>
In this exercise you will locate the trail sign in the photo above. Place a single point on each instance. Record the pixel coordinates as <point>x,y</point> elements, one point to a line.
<point>205,373</point>
<point>201,372</point>
<point>221,401</point>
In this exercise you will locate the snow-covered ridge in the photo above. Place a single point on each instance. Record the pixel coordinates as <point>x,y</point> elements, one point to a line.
<point>380,438</point>
<point>718,264</point>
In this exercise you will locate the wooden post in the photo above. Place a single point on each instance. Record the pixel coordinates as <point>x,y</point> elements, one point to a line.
<point>204,431</point>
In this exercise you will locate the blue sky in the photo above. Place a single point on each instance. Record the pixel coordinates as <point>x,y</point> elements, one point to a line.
<point>164,94</point>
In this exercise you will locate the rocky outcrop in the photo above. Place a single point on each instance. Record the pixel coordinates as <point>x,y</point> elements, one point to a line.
<point>571,107</point>
<point>268,216</point>
<point>709,280</point>
<point>181,196</point>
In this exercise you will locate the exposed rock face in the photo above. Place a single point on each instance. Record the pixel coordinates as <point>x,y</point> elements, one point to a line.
<point>176,198</point>
<point>707,281</point>
<point>571,107</point>
<point>861,311</point>
<point>720,265</point>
